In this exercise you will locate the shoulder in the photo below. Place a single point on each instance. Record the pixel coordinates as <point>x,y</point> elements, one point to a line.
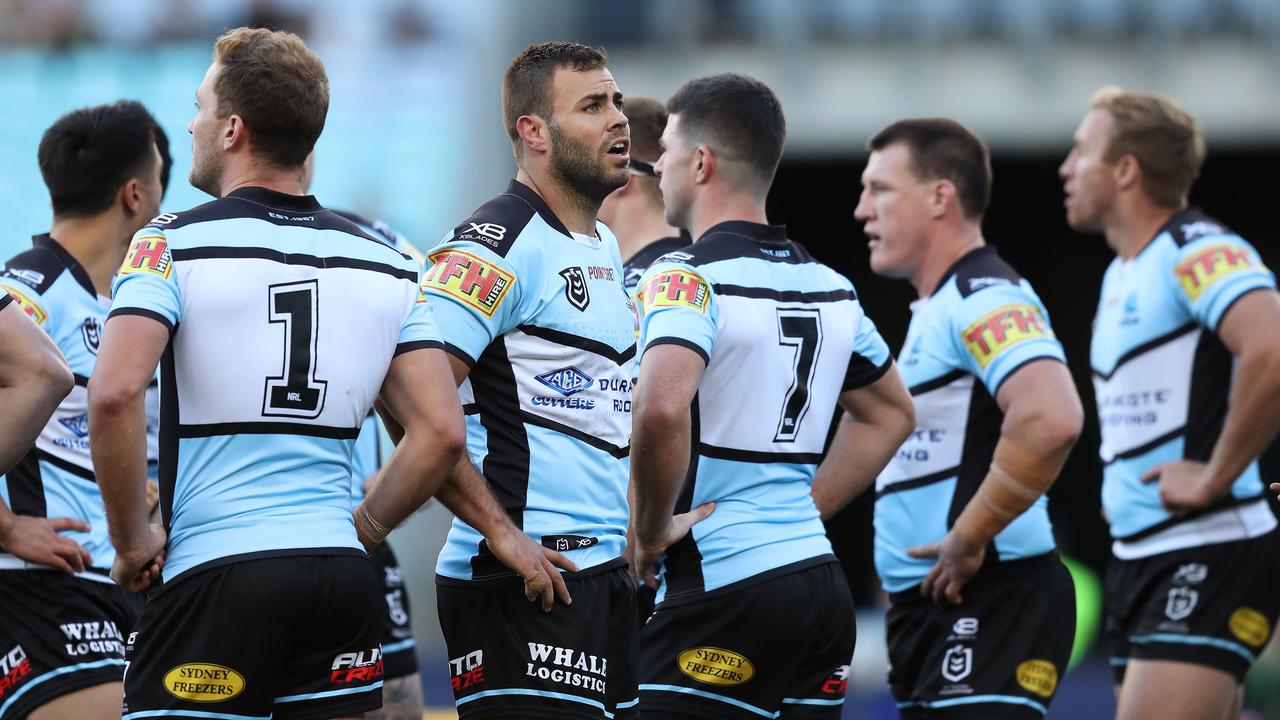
<point>1192,225</point>
<point>497,224</point>
<point>984,270</point>
<point>33,270</point>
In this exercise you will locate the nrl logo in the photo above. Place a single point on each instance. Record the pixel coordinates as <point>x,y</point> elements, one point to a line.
<point>957,663</point>
<point>1182,601</point>
<point>92,331</point>
<point>575,288</point>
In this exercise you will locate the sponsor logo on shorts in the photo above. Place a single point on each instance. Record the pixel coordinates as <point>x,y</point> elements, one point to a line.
<point>93,638</point>
<point>716,666</point>
<point>469,279</point>
<point>395,607</point>
<point>566,666</point>
<point>467,671</point>
<point>1181,602</point>
<point>1038,676</point>
<point>1191,574</point>
<point>1001,329</point>
<point>203,682</point>
<point>967,627</point>
<point>148,254</point>
<point>837,683</point>
<point>1209,265</point>
<point>566,380</point>
<point>1251,626</point>
<point>29,306</point>
<point>957,663</point>
<point>675,288</point>
<point>352,667</point>
<point>15,666</point>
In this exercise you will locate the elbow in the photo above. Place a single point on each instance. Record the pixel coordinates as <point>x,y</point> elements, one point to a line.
<point>904,419</point>
<point>656,411</point>
<point>1059,429</point>
<point>56,376</point>
<point>110,398</point>
<point>444,432</point>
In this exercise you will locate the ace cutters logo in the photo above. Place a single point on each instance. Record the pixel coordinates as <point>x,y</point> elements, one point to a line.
<point>566,381</point>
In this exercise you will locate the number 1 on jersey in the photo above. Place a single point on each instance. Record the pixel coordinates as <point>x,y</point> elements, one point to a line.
<point>296,392</point>
<point>801,329</point>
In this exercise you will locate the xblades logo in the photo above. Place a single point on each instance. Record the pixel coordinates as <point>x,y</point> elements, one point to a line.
<point>566,381</point>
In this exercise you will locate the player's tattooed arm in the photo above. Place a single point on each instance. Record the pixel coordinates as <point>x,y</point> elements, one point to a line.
<point>877,418</point>
<point>33,380</point>
<point>1253,415</point>
<point>660,441</point>
<point>125,366</point>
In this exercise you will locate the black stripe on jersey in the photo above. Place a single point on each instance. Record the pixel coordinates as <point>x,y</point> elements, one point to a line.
<point>981,433</point>
<point>979,269</point>
<point>459,353</point>
<point>1146,347</point>
<point>142,312</point>
<point>167,472</point>
<point>470,409</point>
<point>862,372</point>
<point>919,482</point>
<point>938,382</point>
<point>579,342</point>
<point>683,564</point>
<point>1224,503</point>
<point>995,392</point>
<point>506,464</point>
<point>403,348</point>
<point>1150,445</point>
<point>670,340</point>
<point>26,487</point>
<point>81,380</point>
<point>497,224</point>
<point>1223,316</point>
<point>63,465</point>
<point>267,428</point>
<point>260,253</point>
<point>758,293</point>
<point>1190,224</point>
<point>41,266</point>
<point>1208,397</point>
<point>5,299</point>
<point>757,456</point>
<point>595,442</point>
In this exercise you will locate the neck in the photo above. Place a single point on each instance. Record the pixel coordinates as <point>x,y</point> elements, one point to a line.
<point>944,252</point>
<point>636,225</point>
<point>256,174</point>
<point>1129,231</point>
<point>577,212</point>
<point>725,207</point>
<point>98,243</point>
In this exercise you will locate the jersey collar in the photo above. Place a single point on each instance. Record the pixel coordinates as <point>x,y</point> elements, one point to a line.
<point>276,199</point>
<point>77,270</point>
<point>526,193</point>
<point>970,256</point>
<point>769,234</point>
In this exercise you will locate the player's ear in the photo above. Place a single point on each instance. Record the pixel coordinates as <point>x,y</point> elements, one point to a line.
<point>704,164</point>
<point>532,131</point>
<point>1127,172</point>
<point>234,132</point>
<point>944,194</point>
<point>131,196</point>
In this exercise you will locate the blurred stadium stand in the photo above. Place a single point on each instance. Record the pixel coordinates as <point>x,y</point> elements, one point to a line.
<point>414,136</point>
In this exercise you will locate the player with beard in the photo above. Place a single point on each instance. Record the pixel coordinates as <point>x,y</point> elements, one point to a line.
<point>1186,367</point>
<point>541,335</point>
<point>634,211</point>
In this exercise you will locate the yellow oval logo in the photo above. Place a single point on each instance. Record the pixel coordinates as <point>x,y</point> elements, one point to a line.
<point>1039,677</point>
<point>203,682</point>
<point>1250,626</point>
<point>715,666</point>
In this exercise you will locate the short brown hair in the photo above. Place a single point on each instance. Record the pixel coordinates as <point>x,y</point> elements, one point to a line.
<point>647,118</point>
<point>273,81</point>
<point>526,87</point>
<point>943,149</point>
<point>1162,136</point>
<point>739,117</point>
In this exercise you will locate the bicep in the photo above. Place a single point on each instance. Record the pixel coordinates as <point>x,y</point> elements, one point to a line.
<point>669,376</point>
<point>1043,385</point>
<point>131,349</point>
<point>886,395</point>
<point>417,384</point>
<point>25,349</point>
<point>1253,321</point>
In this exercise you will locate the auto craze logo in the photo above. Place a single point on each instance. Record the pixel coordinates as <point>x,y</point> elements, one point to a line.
<point>363,666</point>
<point>203,682</point>
<point>15,666</point>
<point>467,278</point>
<point>148,254</point>
<point>1038,676</point>
<point>715,666</point>
<point>675,288</point>
<point>29,306</point>
<point>1198,272</point>
<point>566,381</point>
<point>467,671</point>
<point>1003,328</point>
<point>837,683</point>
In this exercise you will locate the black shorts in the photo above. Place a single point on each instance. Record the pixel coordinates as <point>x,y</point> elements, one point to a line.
<point>399,651</point>
<point>776,645</point>
<point>287,637</point>
<point>1213,605</point>
<point>509,659</point>
<point>59,634</point>
<point>999,655</point>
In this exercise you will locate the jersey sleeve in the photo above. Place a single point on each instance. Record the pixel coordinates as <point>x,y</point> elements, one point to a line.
<point>25,297</point>
<point>5,299</point>
<point>677,307</point>
<point>1001,328</point>
<point>1214,271</point>
<point>147,284</point>
<point>473,293</point>
<point>419,330</point>
<point>871,357</point>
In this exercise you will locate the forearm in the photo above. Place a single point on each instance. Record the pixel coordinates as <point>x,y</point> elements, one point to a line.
<point>858,453</point>
<point>24,410</point>
<point>416,470</point>
<point>7,520</point>
<point>1253,416</point>
<point>119,448</point>
<point>659,462</point>
<point>1023,468</point>
<point>467,495</point>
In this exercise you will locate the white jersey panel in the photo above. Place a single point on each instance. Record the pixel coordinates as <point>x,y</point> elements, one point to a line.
<point>1146,398</point>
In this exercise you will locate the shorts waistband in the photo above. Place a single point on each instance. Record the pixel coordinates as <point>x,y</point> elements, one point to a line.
<point>510,578</point>
<point>990,573</point>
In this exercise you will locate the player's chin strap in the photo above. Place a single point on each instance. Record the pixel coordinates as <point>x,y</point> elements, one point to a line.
<point>370,531</point>
<point>1017,478</point>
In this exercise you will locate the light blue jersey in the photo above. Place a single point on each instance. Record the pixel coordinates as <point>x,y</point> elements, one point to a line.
<point>541,317</point>
<point>783,336</point>
<point>1162,379</point>
<point>980,326</point>
<point>55,479</point>
<point>284,318</point>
